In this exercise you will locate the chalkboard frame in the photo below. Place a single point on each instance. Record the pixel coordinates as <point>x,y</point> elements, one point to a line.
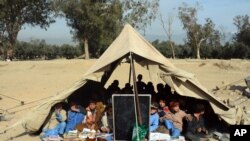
<point>129,95</point>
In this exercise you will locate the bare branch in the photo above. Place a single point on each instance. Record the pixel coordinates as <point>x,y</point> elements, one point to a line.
<point>168,30</point>
<point>163,24</point>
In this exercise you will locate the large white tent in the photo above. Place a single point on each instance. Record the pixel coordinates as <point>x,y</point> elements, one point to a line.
<point>160,69</point>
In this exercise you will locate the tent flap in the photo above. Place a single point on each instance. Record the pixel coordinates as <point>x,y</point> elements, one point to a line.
<point>37,116</point>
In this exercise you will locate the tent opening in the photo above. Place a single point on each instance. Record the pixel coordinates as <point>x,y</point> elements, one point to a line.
<point>92,90</point>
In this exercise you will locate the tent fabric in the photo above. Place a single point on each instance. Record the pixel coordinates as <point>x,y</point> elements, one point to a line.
<point>129,41</point>
<point>35,119</point>
<point>160,70</point>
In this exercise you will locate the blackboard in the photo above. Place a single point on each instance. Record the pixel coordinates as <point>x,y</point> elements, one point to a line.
<point>124,114</point>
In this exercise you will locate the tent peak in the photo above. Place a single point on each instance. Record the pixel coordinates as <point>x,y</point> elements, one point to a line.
<point>129,40</point>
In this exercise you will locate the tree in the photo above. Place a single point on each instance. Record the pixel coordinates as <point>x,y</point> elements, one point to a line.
<point>242,22</point>
<point>139,13</point>
<point>165,49</point>
<point>96,23</point>
<point>39,49</point>
<point>15,13</point>
<point>197,34</point>
<point>167,27</point>
<point>235,50</point>
<point>212,38</point>
<point>2,31</point>
<point>91,20</point>
<point>67,51</point>
<point>222,34</point>
<point>243,29</point>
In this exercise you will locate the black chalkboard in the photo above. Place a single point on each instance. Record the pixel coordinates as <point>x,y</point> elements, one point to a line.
<point>124,114</point>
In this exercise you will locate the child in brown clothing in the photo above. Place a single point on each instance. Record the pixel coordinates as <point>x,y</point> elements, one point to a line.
<point>173,119</point>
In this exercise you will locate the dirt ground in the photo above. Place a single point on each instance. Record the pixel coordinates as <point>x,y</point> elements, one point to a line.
<point>29,81</point>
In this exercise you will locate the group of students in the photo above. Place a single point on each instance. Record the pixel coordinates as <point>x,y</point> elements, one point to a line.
<point>171,117</point>
<point>78,118</point>
<point>163,91</point>
<point>96,117</point>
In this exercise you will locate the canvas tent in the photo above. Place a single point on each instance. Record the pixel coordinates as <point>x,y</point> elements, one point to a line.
<point>160,69</point>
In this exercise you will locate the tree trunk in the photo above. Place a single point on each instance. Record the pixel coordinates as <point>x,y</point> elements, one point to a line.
<point>172,47</point>
<point>86,48</point>
<point>2,52</point>
<point>12,41</point>
<point>10,48</point>
<point>198,47</point>
<point>198,53</point>
<point>10,53</point>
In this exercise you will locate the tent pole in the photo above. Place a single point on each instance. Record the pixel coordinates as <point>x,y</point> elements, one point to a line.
<point>129,79</point>
<point>135,90</point>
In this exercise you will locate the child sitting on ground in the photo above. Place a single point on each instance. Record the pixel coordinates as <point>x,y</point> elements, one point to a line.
<point>196,130</point>
<point>56,124</point>
<point>92,118</point>
<point>75,116</point>
<point>163,107</point>
<point>173,120</point>
<point>154,117</point>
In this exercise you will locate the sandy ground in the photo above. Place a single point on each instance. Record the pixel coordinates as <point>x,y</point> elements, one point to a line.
<point>29,81</point>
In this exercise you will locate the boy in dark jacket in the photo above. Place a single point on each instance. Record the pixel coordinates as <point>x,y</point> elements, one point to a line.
<point>196,130</point>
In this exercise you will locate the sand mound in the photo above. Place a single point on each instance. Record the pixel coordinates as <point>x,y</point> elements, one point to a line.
<point>202,64</point>
<point>225,65</point>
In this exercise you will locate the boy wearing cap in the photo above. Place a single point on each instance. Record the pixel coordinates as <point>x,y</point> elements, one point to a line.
<point>154,117</point>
